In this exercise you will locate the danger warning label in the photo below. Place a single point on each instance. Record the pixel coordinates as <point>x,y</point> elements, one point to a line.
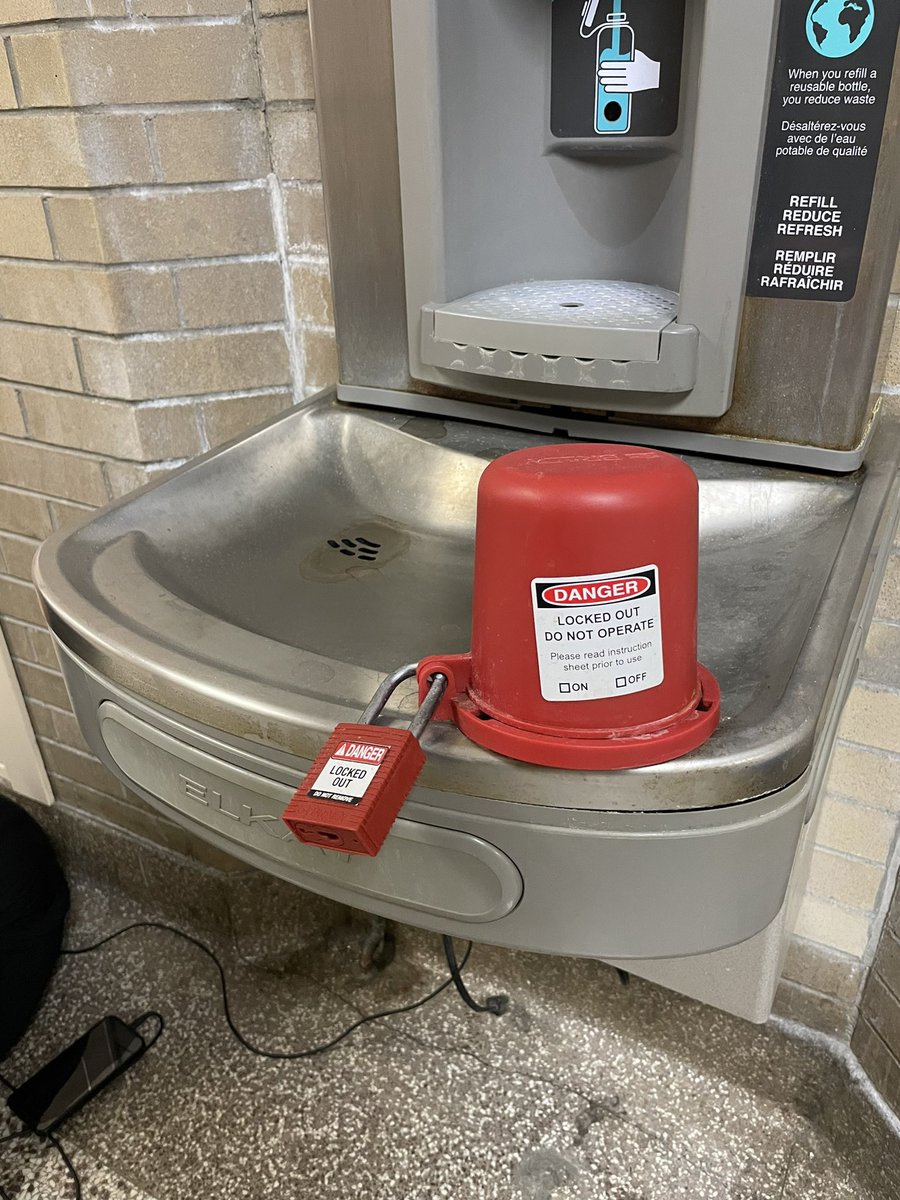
<point>347,774</point>
<point>598,636</point>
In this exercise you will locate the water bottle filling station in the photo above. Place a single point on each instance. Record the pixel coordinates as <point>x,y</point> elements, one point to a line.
<point>571,241</point>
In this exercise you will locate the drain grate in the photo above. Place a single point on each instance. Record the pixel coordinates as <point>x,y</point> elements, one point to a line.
<point>356,547</point>
<point>361,550</point>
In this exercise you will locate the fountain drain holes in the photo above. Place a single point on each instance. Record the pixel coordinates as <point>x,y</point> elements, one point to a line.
<point>360,551</point>
<point>359,547</point>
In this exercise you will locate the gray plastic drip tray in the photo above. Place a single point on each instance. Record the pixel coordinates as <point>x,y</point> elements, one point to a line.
<point>581,318</point>
<point>593,333</point>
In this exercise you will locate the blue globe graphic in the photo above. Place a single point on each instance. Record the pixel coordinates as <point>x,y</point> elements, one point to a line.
<point>836,28</point>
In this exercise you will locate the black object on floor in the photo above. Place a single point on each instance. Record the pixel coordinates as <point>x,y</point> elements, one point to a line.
<point>34,900</point>
<point>43,1107</point>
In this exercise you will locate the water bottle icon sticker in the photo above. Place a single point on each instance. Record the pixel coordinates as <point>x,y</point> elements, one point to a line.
<point>622,69</point>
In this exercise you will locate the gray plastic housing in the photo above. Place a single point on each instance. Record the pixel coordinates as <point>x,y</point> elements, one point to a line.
<point>656,885</point>
<point>432,195</point>
<point>491,198</point>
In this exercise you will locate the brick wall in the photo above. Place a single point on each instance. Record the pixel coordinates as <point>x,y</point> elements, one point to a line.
<point>164,285</point>
<point>876,1039</point>
<point>854,866</point>
<point>163,279</point>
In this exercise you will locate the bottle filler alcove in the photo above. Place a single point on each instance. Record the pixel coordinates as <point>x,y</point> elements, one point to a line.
<point>549,221</point>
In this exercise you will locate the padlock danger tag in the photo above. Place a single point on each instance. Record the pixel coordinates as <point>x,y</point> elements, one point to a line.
<point>348,772</point>
<point>354,790</point>
<point>598,636</point>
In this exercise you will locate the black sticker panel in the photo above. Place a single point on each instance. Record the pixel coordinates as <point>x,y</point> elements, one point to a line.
<point>616,68</point>
<point>830,85</point>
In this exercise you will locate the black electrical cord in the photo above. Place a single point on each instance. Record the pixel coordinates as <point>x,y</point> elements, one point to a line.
<point>58,1146</point>
<point>76,1181</point>
<point>497,1005</point>
<point>493,1004</point>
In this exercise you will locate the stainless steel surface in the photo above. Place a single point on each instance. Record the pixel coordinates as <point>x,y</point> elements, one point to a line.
<point>434,871</point>
<point>644,884</point>
<point>357,121</point>
<point>574,423</point>
<point>209,596</point>
<point>489,196</point>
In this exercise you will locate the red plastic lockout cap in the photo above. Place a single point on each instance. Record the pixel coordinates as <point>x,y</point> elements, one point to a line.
<point>584,623</point>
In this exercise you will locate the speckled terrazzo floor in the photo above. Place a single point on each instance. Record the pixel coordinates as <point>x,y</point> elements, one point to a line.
<point>584,1090</point>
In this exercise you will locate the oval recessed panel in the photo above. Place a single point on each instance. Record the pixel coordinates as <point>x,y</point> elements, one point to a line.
<point>425,867</point>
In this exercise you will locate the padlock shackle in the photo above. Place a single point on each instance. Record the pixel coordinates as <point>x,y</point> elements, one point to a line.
<point>375,706</point>
<point>437,685</point>
<point>428,706</point>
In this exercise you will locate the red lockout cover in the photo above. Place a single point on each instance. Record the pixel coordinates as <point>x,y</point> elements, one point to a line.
<point>584,621</point>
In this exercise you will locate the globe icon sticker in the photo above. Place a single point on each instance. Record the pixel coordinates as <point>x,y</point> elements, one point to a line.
<point>836,28</point>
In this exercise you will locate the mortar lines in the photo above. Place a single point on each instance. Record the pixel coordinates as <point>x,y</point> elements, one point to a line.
<point>296,359</point>
<point>296,362</point>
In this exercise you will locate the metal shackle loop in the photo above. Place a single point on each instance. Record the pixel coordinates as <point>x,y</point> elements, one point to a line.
<point>388,686</point>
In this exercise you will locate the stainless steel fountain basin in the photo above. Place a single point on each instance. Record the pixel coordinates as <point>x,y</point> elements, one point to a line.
<point>214,628</point>
<point>264,590</point>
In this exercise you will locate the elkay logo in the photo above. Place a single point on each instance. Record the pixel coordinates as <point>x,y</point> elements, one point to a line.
<point>598,591</point>
<point>214,801</point>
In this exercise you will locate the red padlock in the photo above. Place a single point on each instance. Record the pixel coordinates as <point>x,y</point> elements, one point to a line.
<point>362,777</point>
